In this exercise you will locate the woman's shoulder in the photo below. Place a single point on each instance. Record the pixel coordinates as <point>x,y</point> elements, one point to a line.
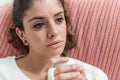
<point>92,72</point>
<point>6,62</point>
<point>7,59</point>
<point>9,68</point>
<point>6,66</point>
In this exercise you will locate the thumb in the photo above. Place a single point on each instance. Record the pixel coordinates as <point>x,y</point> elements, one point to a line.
<point>54,61</point>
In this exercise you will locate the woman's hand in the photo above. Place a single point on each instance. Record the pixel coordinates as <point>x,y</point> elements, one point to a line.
<point>69,72</point>
<point>64,72</point>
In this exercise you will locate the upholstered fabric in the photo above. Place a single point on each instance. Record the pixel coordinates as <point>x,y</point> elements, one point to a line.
<point>97,27</point>
<point>96,24</point>
<point>6,49</point>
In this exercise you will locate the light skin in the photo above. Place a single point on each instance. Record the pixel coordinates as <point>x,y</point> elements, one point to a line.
<point>45,32</point>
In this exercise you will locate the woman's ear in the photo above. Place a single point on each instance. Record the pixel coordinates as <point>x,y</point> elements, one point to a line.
<point>21,35</point>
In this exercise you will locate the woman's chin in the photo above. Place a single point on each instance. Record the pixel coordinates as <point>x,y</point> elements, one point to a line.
<point>56,52</point>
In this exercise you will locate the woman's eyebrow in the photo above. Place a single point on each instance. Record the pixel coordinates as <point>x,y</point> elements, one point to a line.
<point>58,13</point>
<point>38,17</point>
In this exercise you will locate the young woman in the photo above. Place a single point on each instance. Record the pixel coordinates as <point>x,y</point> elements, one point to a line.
<point>43,32</point>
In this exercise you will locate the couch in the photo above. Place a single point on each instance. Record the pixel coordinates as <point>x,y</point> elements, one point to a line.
<point>96,24</point>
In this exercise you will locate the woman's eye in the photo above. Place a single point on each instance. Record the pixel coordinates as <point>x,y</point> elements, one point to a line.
<point>39,25</point>
<point>59,20</point>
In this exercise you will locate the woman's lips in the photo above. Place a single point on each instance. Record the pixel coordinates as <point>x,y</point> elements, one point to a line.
<point>55,44</point>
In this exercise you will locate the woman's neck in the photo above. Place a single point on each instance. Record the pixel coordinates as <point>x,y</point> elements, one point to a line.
<point>33,66</point>
<point>34,63</point>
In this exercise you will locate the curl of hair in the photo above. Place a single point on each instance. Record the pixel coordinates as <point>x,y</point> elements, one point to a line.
<point>19,9</point>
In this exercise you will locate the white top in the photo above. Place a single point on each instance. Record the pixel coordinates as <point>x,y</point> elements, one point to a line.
<point>10,71</point>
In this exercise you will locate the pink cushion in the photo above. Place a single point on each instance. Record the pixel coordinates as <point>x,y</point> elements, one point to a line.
<point>96,24</point>
<point>6,22</point>
<point>97,27</point>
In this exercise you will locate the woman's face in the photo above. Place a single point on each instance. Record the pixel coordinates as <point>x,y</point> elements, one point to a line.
<point>45,28</point>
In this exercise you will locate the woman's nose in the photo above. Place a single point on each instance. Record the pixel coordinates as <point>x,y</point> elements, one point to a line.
<point>52,30</point>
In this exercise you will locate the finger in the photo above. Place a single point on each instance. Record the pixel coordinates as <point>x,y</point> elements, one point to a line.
<point>66,68</point>
<point>80,77</point>
<point>68,76</point>
<point>55,61</point>
<point>82,70</point>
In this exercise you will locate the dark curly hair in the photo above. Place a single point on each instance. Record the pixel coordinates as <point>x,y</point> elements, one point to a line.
<point>19,9</point>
